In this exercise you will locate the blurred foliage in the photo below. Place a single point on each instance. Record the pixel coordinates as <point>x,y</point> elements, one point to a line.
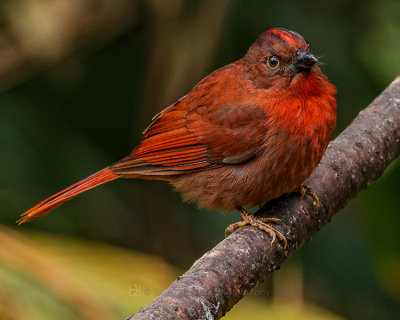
<point>80,80</point>
<point>68,278</point>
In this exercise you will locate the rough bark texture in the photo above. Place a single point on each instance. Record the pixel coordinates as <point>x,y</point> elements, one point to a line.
<point>225,274</point>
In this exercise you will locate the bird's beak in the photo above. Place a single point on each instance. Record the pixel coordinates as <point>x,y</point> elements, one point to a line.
<point>304,61</point>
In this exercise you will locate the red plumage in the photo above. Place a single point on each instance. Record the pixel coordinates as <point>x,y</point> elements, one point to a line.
<point>49,204</point>
<point>247,133</point>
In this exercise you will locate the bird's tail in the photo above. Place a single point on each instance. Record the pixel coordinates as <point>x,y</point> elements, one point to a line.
<point>54,201</point>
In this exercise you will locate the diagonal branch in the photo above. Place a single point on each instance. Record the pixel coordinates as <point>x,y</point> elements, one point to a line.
<point>220,278</point>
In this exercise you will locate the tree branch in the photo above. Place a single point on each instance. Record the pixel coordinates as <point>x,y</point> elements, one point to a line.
<point>225,274</point>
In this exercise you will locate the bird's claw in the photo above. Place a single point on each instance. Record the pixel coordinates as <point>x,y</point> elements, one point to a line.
<point>260,223</point>
<point>307,190</point>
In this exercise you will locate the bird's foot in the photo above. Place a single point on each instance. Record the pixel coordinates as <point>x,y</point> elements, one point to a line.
<point>260,223</point>
<point>307,190</point>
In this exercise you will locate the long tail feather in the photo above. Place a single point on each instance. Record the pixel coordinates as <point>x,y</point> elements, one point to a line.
<point>54,201</point>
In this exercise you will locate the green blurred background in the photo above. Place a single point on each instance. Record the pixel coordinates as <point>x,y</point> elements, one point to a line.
<point>80,80</point>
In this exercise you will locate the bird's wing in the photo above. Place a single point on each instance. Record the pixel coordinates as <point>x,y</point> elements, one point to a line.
<point>182,141</point>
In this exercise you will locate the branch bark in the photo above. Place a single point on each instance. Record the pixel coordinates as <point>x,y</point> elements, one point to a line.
<point>220,278</point>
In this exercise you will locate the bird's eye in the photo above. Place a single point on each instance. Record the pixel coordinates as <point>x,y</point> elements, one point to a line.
<point>272,62</point>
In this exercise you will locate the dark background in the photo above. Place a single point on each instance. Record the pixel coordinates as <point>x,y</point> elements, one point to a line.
<point>79,81</point>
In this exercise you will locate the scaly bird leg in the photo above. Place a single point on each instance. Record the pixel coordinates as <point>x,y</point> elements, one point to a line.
<point>307,190</point>
<point>261,223</point>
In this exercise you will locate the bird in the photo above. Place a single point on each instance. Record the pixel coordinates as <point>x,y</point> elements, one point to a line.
<point>247,133</point>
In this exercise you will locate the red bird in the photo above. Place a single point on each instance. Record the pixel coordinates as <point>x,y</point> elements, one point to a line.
<point>247,133</point>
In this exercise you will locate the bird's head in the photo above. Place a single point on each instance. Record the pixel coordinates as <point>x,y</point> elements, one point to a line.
<point>278,57</point>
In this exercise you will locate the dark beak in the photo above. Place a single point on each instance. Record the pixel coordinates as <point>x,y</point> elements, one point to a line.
<point>304,61</point>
